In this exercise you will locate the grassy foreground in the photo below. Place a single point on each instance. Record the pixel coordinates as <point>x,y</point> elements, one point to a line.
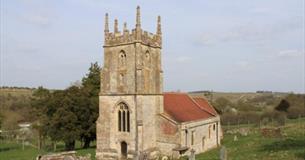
<point>14,151</point>
<point>252,147</point>
<point>256,147</point>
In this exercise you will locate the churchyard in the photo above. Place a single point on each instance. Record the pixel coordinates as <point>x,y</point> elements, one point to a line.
<point>241,142</point>
<point>291,145</point>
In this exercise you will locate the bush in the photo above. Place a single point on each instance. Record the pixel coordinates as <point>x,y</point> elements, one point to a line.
<point>240,118</point>
<point>283,106</point>
<point>273,116</point>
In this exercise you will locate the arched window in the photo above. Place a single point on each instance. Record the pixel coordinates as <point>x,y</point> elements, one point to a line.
<point>122,58</point>
<point>147,59</point>
<point>147,56</point>
<point>123,118</point>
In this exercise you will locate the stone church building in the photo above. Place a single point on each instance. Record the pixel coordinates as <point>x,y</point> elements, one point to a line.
<point>136,118</point>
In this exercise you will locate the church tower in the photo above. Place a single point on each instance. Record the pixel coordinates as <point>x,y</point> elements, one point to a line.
<point>131,96</point>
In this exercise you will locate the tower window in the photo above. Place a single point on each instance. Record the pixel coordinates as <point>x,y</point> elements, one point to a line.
<point>123,118</point>
<point>147,56</point>
<point>122,58</point>
<point>147,60</point>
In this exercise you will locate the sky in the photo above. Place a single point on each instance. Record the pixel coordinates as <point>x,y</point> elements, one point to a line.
<point>219,45</point>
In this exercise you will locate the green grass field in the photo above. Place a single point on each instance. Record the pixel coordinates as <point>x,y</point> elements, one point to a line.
<point>14,151</point>
<point>251,147</point>
<point>255,147</point>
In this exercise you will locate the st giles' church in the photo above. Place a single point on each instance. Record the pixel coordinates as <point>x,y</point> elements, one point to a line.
<point>136,117</point>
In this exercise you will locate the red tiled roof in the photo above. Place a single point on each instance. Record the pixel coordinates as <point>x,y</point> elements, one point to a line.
<point>183,108</point>
<point>205,104</point>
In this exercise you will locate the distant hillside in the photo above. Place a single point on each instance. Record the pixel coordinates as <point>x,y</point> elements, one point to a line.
<point>14,106</point>
<point>236,96</point>
<point>15,103</point>
<point>258,102</point>
<point>16,91</point>
<point>238,107</point>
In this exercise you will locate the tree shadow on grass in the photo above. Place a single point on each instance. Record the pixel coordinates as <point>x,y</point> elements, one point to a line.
<point>286,145</point>
<point>4,149</point>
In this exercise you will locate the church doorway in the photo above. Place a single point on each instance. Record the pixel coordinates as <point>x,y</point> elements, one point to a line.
<point>123,150</point>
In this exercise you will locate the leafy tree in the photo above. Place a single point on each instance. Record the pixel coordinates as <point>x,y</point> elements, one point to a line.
<point>89,113</point>
<point>39,102</point>
<point>63,117</point>
<point>69,115</point>
<point>283,106</point>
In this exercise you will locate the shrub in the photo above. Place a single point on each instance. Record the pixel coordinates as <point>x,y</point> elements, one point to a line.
<point>240,118</point>
<point>273,116</point>
<point>283,106</point>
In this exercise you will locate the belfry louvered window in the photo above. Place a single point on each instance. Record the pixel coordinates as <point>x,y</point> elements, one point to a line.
<point>123,118</point>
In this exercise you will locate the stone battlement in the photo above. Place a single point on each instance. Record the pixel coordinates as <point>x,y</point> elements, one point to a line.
<point>136,35</point>
<point>126,37</point>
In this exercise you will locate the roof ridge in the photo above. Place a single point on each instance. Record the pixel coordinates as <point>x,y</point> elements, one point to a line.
<point>208,103</point>
<point>174,93</point>
<point>169,117</point>
<point>199,106</point>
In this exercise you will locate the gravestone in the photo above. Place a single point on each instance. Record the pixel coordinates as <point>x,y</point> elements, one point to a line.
<point>235,138</point>
<point>192,155</point>
<point>223,153</point>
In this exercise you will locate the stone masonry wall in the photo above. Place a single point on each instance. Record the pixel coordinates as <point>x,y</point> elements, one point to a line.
<point>205,136</point>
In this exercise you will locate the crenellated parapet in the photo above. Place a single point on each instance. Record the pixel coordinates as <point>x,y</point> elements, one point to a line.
<point>136,35</point>
<point>150,39</point>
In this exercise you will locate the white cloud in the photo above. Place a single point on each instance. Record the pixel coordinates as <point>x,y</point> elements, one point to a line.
<point>206,39</point>
<point>40,20</point>
<point>251,32</point>
<point>243,64</point>
<point>183,59</point>
<point>242,33</point>
<point>293,53</point>
<point>260,10</point>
